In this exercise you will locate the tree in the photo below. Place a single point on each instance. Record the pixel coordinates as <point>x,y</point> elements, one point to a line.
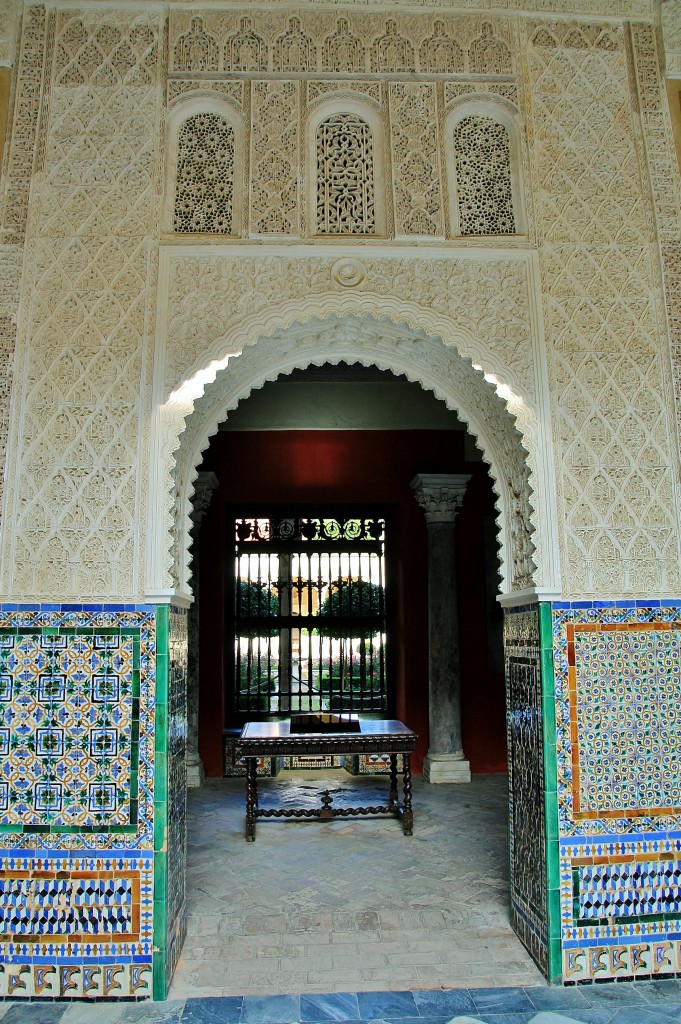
<point>257,601</point>
<point>353,610</point>
<point>257,611</point>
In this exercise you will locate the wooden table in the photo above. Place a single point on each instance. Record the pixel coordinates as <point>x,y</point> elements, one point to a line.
<point>275,739</point>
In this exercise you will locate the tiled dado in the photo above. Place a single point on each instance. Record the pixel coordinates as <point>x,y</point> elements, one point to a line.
<point>77,925</point>
<point>527,784</point>
<point>617,670</point>
<point>78,757</point>
<point>621,906</point>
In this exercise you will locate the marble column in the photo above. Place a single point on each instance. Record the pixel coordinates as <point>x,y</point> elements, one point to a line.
<point>203,490</point>
<point>440,497</point>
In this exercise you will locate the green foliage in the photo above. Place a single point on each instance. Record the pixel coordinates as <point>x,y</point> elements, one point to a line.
<point>257,601</point>
<point>351,599</point>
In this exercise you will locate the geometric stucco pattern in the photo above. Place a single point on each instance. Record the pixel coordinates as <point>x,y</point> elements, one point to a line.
<point>76,501</point>
<point>607,362</point>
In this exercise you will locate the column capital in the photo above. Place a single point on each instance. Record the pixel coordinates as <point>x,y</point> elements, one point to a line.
<point>440,494</point>
<point>204,486</point>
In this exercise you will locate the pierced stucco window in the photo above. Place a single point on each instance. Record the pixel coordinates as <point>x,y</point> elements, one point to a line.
<point>204,184</point>
<point>484,174</point>
<point>203,170</point>
<point>345,176</point>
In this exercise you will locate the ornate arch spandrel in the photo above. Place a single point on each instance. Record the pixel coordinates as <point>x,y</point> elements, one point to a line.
<point>268,349</point>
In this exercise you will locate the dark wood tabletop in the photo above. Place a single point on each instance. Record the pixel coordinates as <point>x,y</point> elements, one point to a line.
<point>385,736</point>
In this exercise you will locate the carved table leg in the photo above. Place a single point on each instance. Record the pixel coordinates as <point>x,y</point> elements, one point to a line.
<point>407,813</point>
<point>251,797</point>
<point>392,800</point>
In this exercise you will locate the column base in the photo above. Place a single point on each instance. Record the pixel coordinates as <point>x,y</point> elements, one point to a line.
<point>446,768</point>
<point>195,774</point>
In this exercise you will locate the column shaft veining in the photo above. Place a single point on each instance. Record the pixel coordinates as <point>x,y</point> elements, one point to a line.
<point>440,497</point>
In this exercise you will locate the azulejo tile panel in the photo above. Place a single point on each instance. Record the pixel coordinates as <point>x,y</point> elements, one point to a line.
<point>617,672</point>
<point>76,725</point>
<point>625,718</point>
<point>626,889</point>
<point>618,693</point>
<point>69,726</point>
<point>76,926</point>
<point>77,711</point>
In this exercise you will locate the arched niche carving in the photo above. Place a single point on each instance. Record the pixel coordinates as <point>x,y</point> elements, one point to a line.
<point>348,199</point>
<point>509,448</point>
<point>485,166</point>
<point>217,125</point>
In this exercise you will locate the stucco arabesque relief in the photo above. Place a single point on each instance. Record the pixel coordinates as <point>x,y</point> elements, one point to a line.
<point>431,319</point>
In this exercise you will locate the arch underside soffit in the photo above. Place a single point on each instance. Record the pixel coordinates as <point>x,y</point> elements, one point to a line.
<point>390,346</point>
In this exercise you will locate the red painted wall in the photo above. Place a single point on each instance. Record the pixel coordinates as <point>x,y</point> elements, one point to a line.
<point>362,467</point>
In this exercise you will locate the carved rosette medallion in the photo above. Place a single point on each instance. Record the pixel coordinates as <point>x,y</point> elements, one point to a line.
<point>348,273</point>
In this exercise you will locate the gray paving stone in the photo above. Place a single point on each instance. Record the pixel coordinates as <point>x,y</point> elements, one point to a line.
<point>549,1017</point>
<point>397,907</point>
<point>35,1013</point>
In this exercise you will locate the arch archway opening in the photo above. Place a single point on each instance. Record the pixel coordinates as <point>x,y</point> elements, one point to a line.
<point>242,438</point>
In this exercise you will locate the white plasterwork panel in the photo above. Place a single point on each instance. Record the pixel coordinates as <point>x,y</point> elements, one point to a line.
<point>612,407</point>
<point>9,22</point>
<point>79,431</point>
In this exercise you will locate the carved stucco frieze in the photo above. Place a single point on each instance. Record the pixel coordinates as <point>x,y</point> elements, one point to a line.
<point>361,42</point>
<point>671,35</point>
<point>11,257</point>
<point>656,151</point>
<point>644,9</point>
<point>23,153</point>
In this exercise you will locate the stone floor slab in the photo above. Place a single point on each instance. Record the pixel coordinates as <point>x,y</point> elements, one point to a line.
<point>360,903</point>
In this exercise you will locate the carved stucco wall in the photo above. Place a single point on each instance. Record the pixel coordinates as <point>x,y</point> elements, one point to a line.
<point>87,137</point>
<point>88,82</point>
<point>9,21</point>
<point>671,30</point>
<point>607,339</point>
